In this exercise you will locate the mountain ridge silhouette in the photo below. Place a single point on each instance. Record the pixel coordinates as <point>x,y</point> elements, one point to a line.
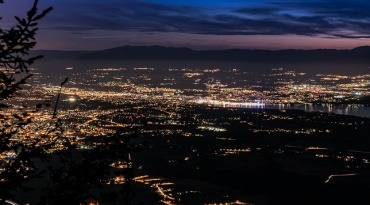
<point>358,54</point>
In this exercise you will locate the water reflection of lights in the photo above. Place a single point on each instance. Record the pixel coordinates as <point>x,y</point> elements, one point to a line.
<point>223,103</point>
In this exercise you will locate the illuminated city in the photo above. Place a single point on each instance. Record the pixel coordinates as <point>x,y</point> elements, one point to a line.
<point>218,102</point>
<point>179,115</point>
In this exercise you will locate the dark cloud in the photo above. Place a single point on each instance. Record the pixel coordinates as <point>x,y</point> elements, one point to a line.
<point>353,9</point>
<point>257,10</point>
<point>342,19</point>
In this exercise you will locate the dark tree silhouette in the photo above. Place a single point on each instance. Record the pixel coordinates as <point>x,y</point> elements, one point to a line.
<point>15,153</point>
<point>78,174</point>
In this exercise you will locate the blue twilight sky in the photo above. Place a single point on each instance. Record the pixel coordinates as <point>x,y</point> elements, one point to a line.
<point>199,24</point>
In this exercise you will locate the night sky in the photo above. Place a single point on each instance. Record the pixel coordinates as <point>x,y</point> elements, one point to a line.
<point>200,24</point>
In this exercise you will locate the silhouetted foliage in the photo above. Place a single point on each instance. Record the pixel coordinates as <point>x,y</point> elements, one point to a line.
<point>15,154</point>
<point>73,176</point>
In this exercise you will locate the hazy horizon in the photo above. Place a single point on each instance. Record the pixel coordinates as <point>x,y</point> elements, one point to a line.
<point>199,49</point>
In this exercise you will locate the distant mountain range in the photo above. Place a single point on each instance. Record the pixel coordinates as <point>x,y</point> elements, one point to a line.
<point>357,55</point>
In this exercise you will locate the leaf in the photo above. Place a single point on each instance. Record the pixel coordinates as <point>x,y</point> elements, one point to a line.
<point>64,82</point>
<point>18,19</point>
<point>31,13</point>
<point>40,16</point>
<point>33,24</point>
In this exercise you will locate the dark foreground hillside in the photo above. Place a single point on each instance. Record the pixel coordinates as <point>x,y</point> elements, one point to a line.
<point>221,155</point>
<point>260,157</point>
<point>206,155</point>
